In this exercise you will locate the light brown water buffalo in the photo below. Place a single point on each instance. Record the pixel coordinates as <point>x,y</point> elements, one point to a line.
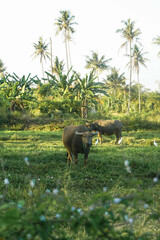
<point>107,127</point>
<point>77,139</point>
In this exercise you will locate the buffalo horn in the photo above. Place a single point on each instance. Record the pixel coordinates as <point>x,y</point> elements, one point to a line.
<point>78,133</point>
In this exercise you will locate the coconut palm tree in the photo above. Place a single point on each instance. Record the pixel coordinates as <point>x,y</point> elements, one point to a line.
<point>97,64</point>
<point>157,42</point>
<point>41,50</point>
<point>115,81</point>
<point>65,24</point>
<point>138,59</point>
<point>57,65</point>
<point>130,34</point>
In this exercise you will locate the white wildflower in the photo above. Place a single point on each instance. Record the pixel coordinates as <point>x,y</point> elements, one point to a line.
<point>42,218</point>
<point>106,213</point>
<point>128,169</point>
<point>19,205</point>
<point>32,183</point>
<point>90,208</point>
<point>48,191</point>
<point>80,211</point>
<point>30,193</point>
<point>6,181</point>
<point>117,200</point>
<point>130,220</point>
<point>26,161</point>
<point>73,208</point>
<point>146,205</point>
<point>55,191</point>
<point>58,215</point>
<point>126,163</point>
<point>29,236</point>
<point>126,217</point>
<point>155,179</point>
<point>104,189</point>
<point>51,177</point>
<point>39,179</point>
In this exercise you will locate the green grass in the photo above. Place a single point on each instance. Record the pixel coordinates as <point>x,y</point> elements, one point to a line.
<point>105,168</point>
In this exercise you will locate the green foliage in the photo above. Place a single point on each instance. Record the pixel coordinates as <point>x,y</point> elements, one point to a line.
<point>54,217</point>
<point>65,106</point>
<point>115,197</point>
<point>17,91</point>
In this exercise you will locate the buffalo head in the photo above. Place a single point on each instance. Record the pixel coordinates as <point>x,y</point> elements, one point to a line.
<point>86,137</point>
<point>92,126</point>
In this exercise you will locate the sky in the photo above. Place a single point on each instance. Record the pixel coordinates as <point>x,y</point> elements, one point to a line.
<point>24,21</point>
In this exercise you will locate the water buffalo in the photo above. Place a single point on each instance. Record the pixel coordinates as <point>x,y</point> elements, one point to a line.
<point>107,127</point>
<point>77,139</point>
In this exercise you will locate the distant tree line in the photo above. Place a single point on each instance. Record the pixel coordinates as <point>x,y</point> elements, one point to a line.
<point>61,91</point>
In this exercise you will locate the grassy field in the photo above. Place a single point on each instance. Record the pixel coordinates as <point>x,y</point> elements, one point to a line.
<point>47,165</point>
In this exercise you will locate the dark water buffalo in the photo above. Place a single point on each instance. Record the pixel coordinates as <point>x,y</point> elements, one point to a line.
<point>77,139</point>
<point>107,127</point>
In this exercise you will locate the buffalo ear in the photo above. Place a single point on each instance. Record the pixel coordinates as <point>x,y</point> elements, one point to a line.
<point>96,126</point>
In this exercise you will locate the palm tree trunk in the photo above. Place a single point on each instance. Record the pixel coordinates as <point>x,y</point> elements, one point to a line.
<point>66,51</point>
<point>130,78</point>
<point>41,60</point>
<point>85,109</point>
<point>51,57</point>
<point>139,92</point>
<point>69,53</point>
<point>125,99</point>
<point>82,110</point>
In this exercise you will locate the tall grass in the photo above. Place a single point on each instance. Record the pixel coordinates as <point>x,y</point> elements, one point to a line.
<point>40,156</point>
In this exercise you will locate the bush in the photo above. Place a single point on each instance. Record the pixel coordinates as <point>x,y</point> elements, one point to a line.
<point>53,217</point>
<point>64,106</point>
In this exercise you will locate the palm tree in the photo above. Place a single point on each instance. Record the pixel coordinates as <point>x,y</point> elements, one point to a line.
<point>115,81</point>
<point>41,50</point>
<point>64,24</point>
<point>157,42</point>
<point>58,65</point>
<point>129,34</point>
<point>2,68</point>
<point>63,85</point>
<point>98,65</point>
<point>137,60</point>
<point>88,89</point>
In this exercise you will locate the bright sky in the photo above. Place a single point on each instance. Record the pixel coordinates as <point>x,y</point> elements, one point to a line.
<point>24,21</point>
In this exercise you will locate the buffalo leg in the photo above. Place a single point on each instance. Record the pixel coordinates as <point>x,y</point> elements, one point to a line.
<point>100,137</point>
<point>118,137</point>
<point>69,158</point>
<point>76,158</point>
<point>85,158</point>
